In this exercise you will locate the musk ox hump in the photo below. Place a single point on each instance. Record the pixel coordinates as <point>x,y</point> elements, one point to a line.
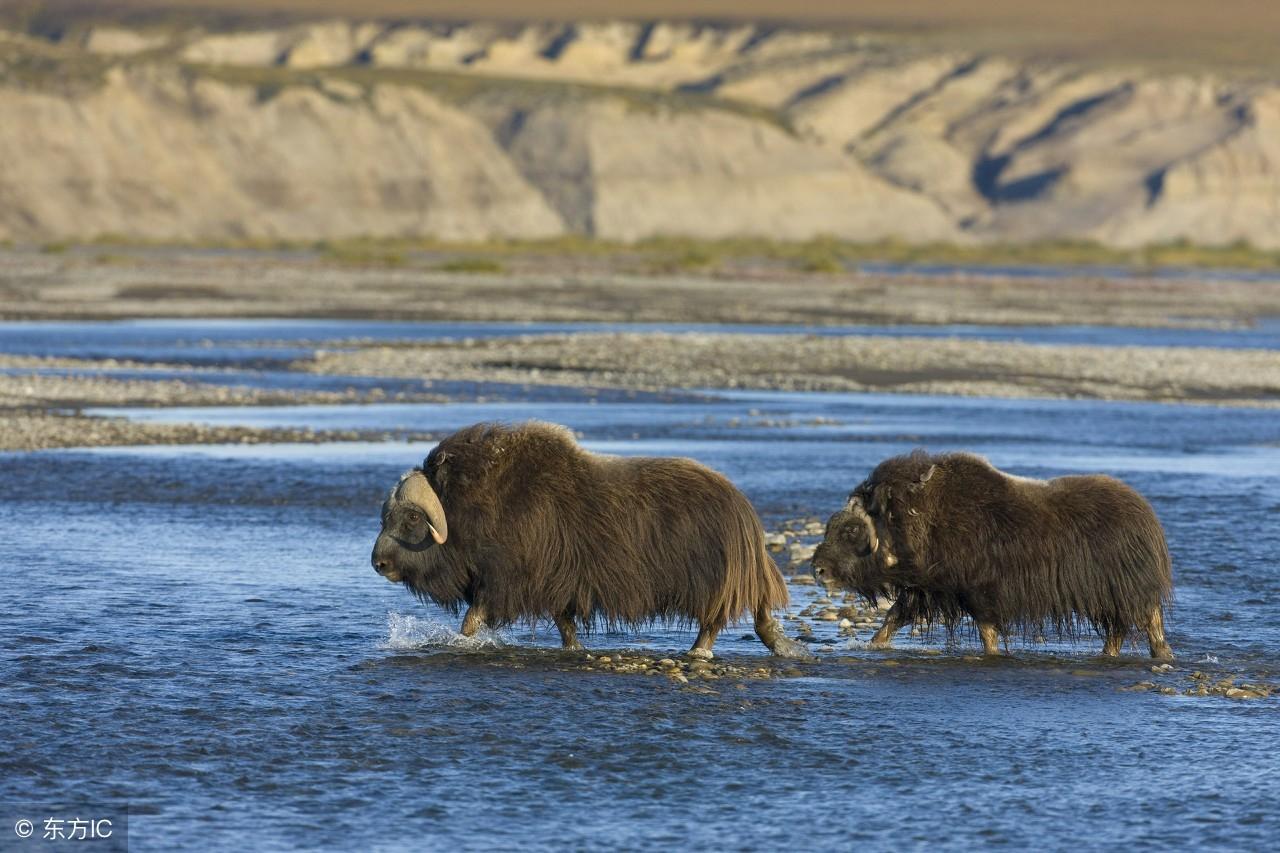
<point>415,489</point>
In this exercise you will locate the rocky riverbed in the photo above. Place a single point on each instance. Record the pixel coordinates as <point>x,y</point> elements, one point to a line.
<point>849,363</point>
<point>41,410</point>
<point>663,284</point>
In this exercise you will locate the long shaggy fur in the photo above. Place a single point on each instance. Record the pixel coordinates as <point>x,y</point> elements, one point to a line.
<point>539,527</point>
<point>958,537</point>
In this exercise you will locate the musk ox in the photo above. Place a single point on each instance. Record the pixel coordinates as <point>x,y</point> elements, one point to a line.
<point>519,522</point>
<point>951,536</point>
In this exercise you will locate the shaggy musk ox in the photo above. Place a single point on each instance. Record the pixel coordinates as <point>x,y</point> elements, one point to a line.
<point>951,536</point>
<point>520,522</point>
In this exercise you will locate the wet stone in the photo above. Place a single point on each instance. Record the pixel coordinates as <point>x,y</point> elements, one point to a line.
<point>1140,687</point>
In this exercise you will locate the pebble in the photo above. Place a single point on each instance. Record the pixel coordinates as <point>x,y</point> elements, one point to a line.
<point>798,553</point>
<point>1141,686</point>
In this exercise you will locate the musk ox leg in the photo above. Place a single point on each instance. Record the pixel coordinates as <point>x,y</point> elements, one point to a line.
<point>770,632</point>
<point>893,621</point>
<point>1155,635</point>
<point>990,638</point>
<point>568,632</point>
<point>1115,641</point>
<point>473,621</point>
<point>706,639</point>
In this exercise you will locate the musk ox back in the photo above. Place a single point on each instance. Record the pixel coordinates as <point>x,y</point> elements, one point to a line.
<point>950,536</point>
<point>519,522</point>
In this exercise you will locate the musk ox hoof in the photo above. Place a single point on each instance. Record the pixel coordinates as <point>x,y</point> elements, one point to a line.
<point>786,647</point>
<point>700,654</point>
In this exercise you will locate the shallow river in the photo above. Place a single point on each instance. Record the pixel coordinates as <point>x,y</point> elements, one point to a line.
<point>197,632</point>
<point>268,343</point>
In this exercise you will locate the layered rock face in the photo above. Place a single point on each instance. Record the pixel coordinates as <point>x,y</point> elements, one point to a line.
<point>619,131</point>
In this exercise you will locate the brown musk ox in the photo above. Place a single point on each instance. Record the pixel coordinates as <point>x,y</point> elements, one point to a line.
<point>519,522</point>
<point>951,536</point>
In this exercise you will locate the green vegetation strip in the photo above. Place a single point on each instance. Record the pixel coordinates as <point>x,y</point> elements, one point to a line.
<point>674,254</point>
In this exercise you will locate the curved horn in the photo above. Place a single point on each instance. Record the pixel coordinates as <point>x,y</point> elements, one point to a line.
<point>416,490</point>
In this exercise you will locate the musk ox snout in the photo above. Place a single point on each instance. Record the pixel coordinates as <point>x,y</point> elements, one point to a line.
<point>821,563</point>
<point>383,558</point>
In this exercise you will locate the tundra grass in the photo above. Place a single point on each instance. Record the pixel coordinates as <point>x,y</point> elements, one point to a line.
<point>685,254</point>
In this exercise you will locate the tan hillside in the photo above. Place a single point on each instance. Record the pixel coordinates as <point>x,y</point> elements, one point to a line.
<point>618,129</point>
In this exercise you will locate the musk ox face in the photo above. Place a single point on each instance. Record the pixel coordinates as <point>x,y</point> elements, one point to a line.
<point>413,523</point>
<point>855,553</point>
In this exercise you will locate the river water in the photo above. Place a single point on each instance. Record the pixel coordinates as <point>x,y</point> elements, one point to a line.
<point>196,632</point>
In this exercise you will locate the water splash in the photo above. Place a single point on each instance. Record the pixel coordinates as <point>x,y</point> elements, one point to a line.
<point>407,632</point>
<point>1210,659</point>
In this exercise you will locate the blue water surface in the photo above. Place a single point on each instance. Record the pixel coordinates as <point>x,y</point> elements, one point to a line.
<point>197,632</point>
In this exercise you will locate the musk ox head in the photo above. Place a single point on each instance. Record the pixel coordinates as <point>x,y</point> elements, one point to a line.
<point>853,554</point>
<point>413,523</point>
<point>865,540</point>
